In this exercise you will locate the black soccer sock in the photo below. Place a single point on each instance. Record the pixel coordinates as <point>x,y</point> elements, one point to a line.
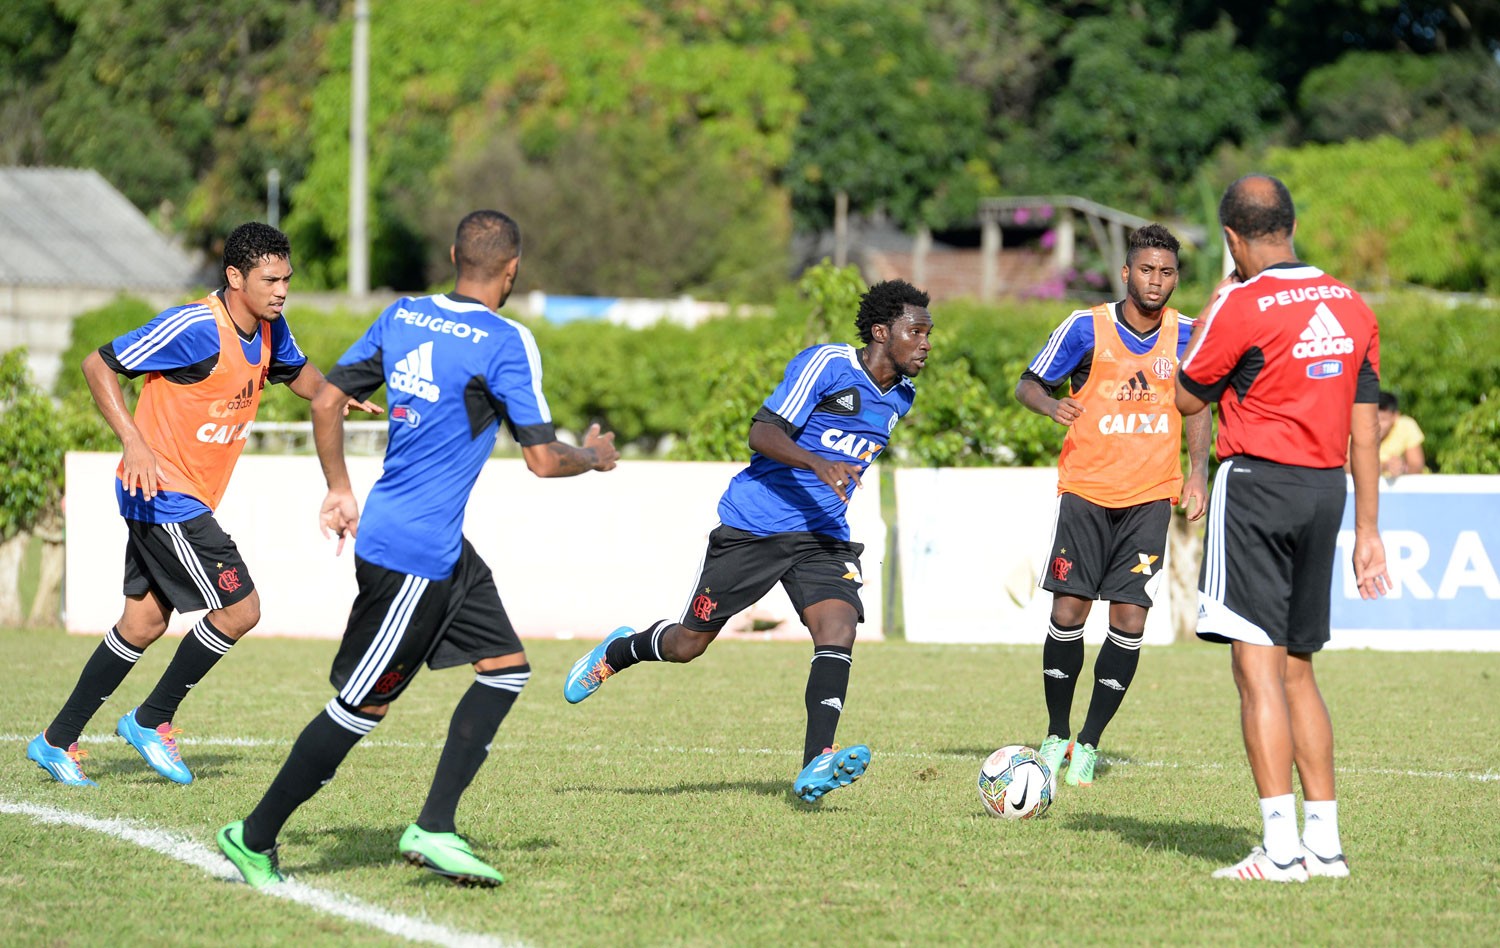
<point>475,721</point>
<point>1113,671</point>
<point>1062,661</point>
<point>315,758</point>
<point>827,684</point>
<point>640,647</point>
<point>200,650</point>
<point>102,673</point>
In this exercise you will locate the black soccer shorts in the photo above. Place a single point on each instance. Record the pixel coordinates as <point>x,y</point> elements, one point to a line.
<point>399,622</point>
<point>1268,554</point>
<point>739,568</point>
<point>1114,554</point>
<point>188,566</point>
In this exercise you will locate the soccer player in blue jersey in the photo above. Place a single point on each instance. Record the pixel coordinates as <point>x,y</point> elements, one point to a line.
<point>782,519</point>
<point>454,371</point>
<point>205,365</point>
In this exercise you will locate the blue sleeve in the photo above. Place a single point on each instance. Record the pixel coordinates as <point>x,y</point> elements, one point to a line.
<point>177,338</point>
<point>1185,328</point>
<point>804,384</point>
<point>515,378</point>
<point>1065,349</point>
<point>284,348</point>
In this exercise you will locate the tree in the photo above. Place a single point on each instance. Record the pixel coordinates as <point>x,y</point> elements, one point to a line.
<point>1367,94</point>
<point>886,121</point>
<point>35,434</point>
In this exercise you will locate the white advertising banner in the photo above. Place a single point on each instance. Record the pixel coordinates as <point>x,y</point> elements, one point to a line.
<point>972,544</point>
<point>571,556</point>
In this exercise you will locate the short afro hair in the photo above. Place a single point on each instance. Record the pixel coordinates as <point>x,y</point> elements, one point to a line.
<point>1151,237</point>
<point>1256,206</point>
<point>250,243</point>
<point>884,303</point>
<point>486,242</point>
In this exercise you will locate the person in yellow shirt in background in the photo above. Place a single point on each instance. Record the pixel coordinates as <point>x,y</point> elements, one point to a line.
<point>1400,439</point>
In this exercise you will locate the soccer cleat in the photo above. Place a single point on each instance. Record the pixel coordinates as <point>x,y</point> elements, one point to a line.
<point>1259,867</point>
<point>590,671</point>
<point>259,869</point>
<point>61,764</point>
<point>830,770</point>
<point>1081,765</point>
<point>1053,752</point>
<point>1334,867</point>
<point>447,854</point>
<point>158,746</point>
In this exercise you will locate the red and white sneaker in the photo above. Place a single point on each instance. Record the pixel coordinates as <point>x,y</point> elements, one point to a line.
<point>1333,867</point>
<point>1259,867</point>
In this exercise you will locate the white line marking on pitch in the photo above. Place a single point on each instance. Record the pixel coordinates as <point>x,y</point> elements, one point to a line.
<point>210,861</point>
<point>1481,776</point>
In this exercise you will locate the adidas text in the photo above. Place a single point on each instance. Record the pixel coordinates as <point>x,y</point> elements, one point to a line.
<point>411,385</point>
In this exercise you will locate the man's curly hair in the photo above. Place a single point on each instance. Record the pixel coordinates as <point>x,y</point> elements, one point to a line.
<point>250,243</point>
<point>1151,237</point>
<point>884,303</point>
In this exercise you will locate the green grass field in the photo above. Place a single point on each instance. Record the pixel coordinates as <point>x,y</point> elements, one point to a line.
<point>660,812</point>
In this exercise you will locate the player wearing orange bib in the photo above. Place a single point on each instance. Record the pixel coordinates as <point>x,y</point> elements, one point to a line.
<point>1118,476</point>
<point>204,365</point>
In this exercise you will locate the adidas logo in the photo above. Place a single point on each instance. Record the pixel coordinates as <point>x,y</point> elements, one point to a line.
<point>1111,684</point>
<point>1324,336</point>
<point>413,374</point>
<point>1054,673</point>
<point>845,401</point>
<point>833,703</point>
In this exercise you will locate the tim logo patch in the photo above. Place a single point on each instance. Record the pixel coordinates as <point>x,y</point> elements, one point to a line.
<point>1326,369</point>
<point>406,414</point>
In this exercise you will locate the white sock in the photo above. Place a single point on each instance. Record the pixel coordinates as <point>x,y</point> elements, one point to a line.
<point>1279,814</point>
<point>1320,831</point>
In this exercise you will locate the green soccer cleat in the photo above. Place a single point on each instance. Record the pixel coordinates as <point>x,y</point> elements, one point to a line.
<point>259,869</point>
<point>1081,765</point>
<point>447,854</point>
<point>1054,752</point>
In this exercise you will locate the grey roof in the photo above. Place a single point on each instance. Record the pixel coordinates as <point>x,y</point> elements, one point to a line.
<point>70,228</point>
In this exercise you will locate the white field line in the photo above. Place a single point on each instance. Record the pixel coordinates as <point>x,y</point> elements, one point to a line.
<point>210,861</point>
<point>1123,762</point>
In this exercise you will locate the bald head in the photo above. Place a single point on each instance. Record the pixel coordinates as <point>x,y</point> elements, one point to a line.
<point>1258,206</point>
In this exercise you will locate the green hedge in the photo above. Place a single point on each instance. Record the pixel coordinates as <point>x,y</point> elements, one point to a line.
<point>698,387</point>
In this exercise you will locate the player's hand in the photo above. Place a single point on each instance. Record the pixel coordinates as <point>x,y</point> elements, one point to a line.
<point>603,446</point>
<point>1195,496</point>
<point>1369,567</point>
<point>142,469</point>
<point>842,476</point>
<point>339,517</point>
<point>1066,411</point>
<point>354,404</point>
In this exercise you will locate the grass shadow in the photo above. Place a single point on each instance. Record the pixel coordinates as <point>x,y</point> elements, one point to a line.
<point>202,766</point>
<point>770,788</point>
<point>1210,842</point>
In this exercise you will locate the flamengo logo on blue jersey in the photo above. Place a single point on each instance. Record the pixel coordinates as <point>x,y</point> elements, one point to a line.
<point>862,449</point>
<point>413,374</point>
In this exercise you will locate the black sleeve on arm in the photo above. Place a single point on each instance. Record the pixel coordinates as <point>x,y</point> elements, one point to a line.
<point>359,379</point>
<point>187,375</point>
<point>1048,387</point>
<point>280,373</point>
<point>484,406</point>
<point>1241,377</point>
<point>1367,386</point>
<point>771,418</point>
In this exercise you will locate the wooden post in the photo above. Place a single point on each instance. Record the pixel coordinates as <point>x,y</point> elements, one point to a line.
<point>841,228</point>
<point>921,246</point>
<point>989,256</point>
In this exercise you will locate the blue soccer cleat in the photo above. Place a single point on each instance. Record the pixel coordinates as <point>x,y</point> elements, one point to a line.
<point>590,671</point>
<point>830,770</point>
<point>61,764</point>
<point>158,746</point>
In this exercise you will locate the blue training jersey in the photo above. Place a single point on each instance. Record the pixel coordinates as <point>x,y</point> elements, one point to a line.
<point>1070,348</point>
<point>831,407</point>
<point>453,371</point>
<point>182,345</point>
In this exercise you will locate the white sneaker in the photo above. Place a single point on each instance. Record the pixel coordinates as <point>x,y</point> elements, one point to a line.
<point>1334,867</point>
<point>1258,866</point>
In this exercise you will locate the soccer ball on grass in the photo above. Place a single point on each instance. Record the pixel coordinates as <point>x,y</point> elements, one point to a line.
<point>1015,784</point>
